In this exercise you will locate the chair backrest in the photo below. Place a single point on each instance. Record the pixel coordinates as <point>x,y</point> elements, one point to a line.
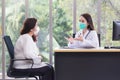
<point>99,40</point>
<point>9,46</point>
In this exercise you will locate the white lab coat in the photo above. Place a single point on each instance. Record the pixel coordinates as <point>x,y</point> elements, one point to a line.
<point>24,48</point>
<point>90,40</point>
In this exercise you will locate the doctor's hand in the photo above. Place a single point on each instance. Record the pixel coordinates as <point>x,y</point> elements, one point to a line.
<point>80,38</point>
<point>70,39</point>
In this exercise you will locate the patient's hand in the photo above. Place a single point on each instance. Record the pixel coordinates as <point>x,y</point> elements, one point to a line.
<point>40,56</point>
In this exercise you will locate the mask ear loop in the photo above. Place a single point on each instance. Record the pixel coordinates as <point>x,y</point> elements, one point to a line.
<point>31,30</point>
<point>37,31</point>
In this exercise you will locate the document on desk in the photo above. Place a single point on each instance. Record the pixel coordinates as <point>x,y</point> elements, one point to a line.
<point>66,47</point>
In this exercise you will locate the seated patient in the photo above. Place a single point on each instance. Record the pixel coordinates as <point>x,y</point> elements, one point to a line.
<point>87,36</point>
<point>26,47</point>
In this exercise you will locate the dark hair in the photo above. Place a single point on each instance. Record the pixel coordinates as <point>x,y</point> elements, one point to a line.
<point>89,21</point>
<point>28,24</point>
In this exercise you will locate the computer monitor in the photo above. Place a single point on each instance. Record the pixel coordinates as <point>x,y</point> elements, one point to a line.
<point>116,30</point>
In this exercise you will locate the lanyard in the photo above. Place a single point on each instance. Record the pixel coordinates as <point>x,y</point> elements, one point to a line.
<point>87,34</point>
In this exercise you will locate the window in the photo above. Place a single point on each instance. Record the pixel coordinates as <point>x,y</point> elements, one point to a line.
<point>40,10</point>
<point>0,40</point>
<point>110,12</point>
<point>15,15</point>
<point>87,6</point>
<point>62,22</point>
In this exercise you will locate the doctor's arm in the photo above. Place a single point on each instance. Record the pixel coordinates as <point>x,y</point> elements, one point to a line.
<point>91,40</point>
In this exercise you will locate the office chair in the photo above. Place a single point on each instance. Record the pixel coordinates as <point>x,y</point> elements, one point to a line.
<point>17,73</point>
<point>99,40</point>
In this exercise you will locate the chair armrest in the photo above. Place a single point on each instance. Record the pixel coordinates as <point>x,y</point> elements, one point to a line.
<point>24,60</point>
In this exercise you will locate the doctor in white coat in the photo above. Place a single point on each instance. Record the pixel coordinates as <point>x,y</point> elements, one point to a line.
<point>87,36</point>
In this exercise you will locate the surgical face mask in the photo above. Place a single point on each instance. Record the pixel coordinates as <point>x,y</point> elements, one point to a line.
<point>82,26</point>
<point>36,31</point>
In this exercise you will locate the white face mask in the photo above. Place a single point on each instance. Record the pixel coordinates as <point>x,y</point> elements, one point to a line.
<point>36,31</point>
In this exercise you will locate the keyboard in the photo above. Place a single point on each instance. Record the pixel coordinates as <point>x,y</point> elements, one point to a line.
<point>112,47</point>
